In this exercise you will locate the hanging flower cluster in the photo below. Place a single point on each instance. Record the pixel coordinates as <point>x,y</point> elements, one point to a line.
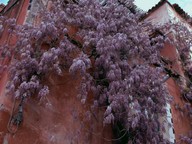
<point>117,48</point>
<point>182,39</point>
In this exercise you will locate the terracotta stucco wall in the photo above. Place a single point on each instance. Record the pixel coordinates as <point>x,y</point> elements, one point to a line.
<point>181,125</point>
<point>60,118</point>
<point>18,12</point>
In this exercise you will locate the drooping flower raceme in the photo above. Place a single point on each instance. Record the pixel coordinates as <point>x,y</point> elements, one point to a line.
<point>114,58</point>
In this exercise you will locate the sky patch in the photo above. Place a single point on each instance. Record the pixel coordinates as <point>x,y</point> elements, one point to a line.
<point>4,1</point>
<point>145,5</point>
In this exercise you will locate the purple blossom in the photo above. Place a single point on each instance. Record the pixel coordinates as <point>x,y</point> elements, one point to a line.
<point>119,73</point>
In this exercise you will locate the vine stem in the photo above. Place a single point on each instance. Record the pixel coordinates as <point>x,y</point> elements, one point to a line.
<point>106,139</point>
<point>10,119</point>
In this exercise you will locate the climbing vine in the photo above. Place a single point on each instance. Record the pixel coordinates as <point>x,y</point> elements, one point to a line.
<point>111,51</point>
<point>182,40</point>
<point>183,43</point>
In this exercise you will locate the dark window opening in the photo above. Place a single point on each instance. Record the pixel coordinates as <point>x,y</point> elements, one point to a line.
<point>29,7</point>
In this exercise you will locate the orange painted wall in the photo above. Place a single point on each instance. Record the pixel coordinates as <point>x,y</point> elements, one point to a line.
<point>58,118</point>
<point>181,124</point>
<point>18,12</point>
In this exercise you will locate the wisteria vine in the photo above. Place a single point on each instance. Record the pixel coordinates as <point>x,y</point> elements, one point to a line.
<point>111,51</point>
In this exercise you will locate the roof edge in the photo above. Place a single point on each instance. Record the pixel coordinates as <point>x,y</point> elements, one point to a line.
<point>159,4</point>
<point>175,7</point>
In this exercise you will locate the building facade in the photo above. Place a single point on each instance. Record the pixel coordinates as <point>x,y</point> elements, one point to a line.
<point>44,123</point>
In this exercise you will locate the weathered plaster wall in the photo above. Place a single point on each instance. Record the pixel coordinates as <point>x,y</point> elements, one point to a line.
<point>181,125</point>
<point>164,14</point>
<point>57,119</point>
